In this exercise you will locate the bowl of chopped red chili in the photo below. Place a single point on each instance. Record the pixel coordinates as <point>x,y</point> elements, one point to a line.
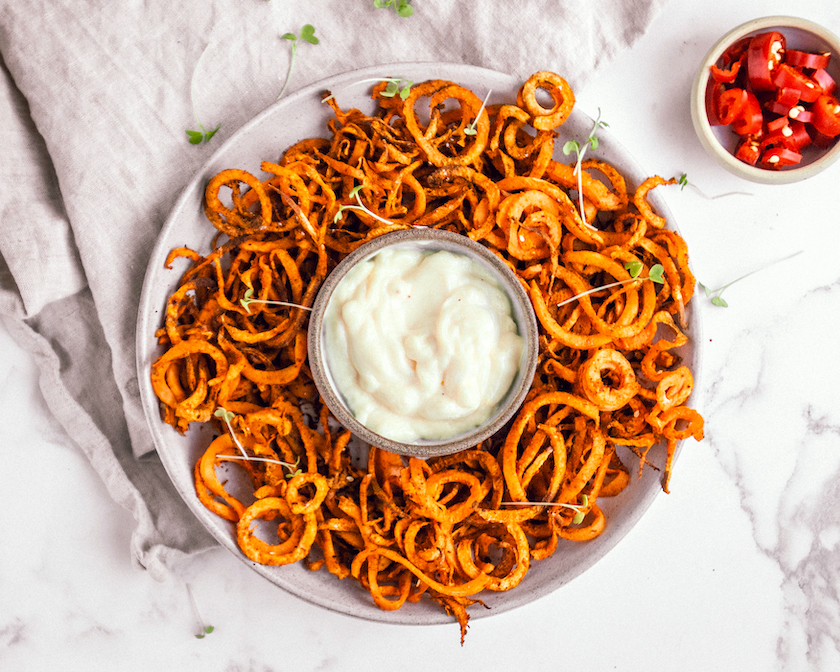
<point>765,100</point>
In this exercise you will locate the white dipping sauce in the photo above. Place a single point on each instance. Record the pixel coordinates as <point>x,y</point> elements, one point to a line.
<point>421,344</point>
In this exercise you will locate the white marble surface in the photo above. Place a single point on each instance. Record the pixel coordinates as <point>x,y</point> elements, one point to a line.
<point>737,569</point>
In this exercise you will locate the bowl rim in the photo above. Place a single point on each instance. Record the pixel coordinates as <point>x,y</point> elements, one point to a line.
<point>523,314</point>
<point>698,103</point>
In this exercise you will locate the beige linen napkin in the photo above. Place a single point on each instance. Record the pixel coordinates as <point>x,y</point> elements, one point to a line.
<point>95,99</point>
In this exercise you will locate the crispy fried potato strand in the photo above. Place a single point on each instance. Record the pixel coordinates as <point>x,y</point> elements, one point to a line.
<point>233,345</point>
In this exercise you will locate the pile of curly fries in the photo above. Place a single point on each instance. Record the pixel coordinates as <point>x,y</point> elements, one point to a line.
<point>235,344</point>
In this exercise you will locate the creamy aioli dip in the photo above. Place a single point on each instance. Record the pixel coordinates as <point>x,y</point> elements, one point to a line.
<point>421,344</point>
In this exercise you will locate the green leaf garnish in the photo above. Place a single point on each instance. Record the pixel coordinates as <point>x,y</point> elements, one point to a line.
<point>207,630</point>
<point>228,417</point>
<point>471,130</point>
<point>202,629</point>
<point>655,273</point>
<point>635,269</point>
<point>197,137</point>
<point>402,7</point>
<point>224,414</point>
<point>715,294</point>
<point>360,207</point>
<point>202,135</point>
<point>683,182</point>
<point>307,33</point>
<point>394,85</point>
<point>573,146</point>
<point>248,299</point>
<point>580,515</point>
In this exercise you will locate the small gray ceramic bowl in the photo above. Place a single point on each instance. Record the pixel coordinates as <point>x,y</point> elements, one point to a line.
<point>522,313</point>
<point>721,142</point>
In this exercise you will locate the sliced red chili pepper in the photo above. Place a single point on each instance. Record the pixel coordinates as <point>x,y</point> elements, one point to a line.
<point>713,91</point>
<point>731,104</point>
<point>736,50</point>
<point>777,157</point>
<point>800,137</point>
<point>791,135</point>
<point>806,59</point>
<point>785,99</point>
<point>787,77</point>
<point>827,115</point>
<point>779,108</point>
<point>751,118</point>
<point>787,96</point>
<point>825,81</point>
<point>822,141</point>
<point>776,138</point>
<point>763,57</point>
<point>777,124</point>
<point>748,151</point>
<point>799,113</point>
<point>727,76</point>
<point>768,95</point>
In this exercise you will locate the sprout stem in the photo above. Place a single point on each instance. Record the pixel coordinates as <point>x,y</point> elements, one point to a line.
<point>202,629</point>
<point>289,71</point>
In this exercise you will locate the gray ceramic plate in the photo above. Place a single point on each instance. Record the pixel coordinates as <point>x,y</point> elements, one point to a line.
<point>294,118</point>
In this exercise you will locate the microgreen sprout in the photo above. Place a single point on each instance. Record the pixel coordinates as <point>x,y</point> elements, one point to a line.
<point>228,416</point>
<point>580,515</point>
<point>580,509</point>
<point>470,130</point>
<point>580,150</point>
<point>197,137</point>
<point>202,629</point>
<point>683,182</point>
<point>394,86</point>
<point>715,294</point>
<point>400,6</point>
<point>307,33</point>
<point>635,269</point>
<point>361,207</point>
<point>202,135</point>
<point>248,299</point>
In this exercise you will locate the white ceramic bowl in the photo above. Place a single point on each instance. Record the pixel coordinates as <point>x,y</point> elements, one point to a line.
<point>720,142</point>
<point>521,310</point>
